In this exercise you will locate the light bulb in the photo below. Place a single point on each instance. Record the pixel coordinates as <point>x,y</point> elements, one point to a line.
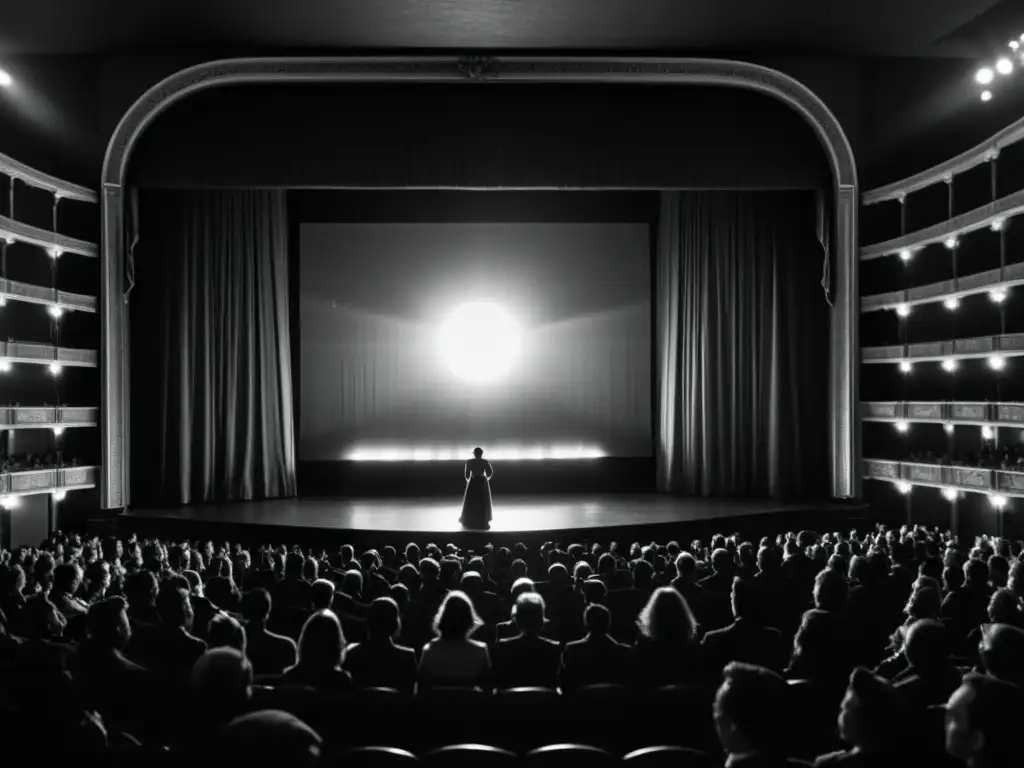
<point>902,426</point>
<point>6,81</point>
<point>984,76</point>
<point>55,253</point>
<point>1004,66</point>
<point>996,225</point>
<point>997,362</point>
<point>986,95</point>
<point>5,366</point>
<point>951,243</point>
<point>998,295</point>
<point>949,365</point>
<point>906,366</point>
<point>59,495</point>
<point>951,303</point>
<point>1014,45</point>
<point>904,488</point>
<point>55,369</point>
<point>949,427</point>
<point>950,493</point>
<point>3,301</point>
<point>987,433</point>
<point>58,431</point>
<point>997,501</point>
<point>905,254</point>
<point>903,310</point>
<point>55,311</point>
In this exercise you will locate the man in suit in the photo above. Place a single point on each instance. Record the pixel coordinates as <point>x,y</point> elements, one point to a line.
<point>527,659</point>
<point>746,639</point>
<point>177,648</point>
<point>597,658</point>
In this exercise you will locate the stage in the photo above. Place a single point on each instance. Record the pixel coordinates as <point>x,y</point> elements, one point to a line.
<point>590,517</point>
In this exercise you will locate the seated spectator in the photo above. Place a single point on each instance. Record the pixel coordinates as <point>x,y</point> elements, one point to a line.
<point>66,581</point>
<point>321,648</point>
<point>931,676</point>
<point>820,654</point>
<point>597,658</point>
<point>378,662</point>
<point>667,652</point>
<point>527,659</point>
<point>226,632</point>
<point>453,659</point>
<point>874,720</point>
<point>1001,651</point>
<point>220,687</point>
<point>748,713</point>
<point>175,648</point>
<point>983,720</point>
<point>746,639</point>
<point>270,737</point>
<point>269,653</point>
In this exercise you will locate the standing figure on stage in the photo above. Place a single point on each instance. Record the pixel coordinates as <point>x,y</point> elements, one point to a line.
<point>476,503</point>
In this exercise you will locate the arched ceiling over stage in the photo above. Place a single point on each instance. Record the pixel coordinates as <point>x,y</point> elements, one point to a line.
<point>853,28</point>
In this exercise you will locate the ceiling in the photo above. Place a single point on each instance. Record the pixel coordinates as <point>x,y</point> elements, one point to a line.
<point>847,28</point>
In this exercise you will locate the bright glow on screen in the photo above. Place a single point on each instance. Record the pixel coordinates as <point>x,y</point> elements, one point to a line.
<point>480,341</point>
<point>463,452</point>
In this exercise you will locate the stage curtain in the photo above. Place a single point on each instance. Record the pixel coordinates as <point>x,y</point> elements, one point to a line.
<point>741,337</point>
<point>211,364</point>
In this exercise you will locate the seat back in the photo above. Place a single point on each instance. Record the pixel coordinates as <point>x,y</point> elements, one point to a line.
<point>563,755</point>
<point>670,757</point>
<point>471,756</point>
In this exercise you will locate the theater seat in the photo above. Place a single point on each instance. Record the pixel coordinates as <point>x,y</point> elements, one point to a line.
<point>470,756</point>
<point>601,693</point>
<point>670,757</point>
<point>563,755</point>
<point>375,757</point>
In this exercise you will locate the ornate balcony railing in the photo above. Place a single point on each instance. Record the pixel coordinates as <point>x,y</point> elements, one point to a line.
<point>1007,345</point>
<point>54,242</point>
<point>47,354</point>
<point>57,187</point>
<point>1010,276</point>
<point>12,290</point>
<point>1000,482</point>
<point>29,482</point>
<point>48,417</point>
<point>965,413</point>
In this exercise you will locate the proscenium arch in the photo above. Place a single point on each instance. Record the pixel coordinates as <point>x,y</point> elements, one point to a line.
<point>843,351</point>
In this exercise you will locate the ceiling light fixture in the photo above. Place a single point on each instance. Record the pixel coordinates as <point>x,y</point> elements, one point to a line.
<point>984,76</point>
<point>6,81</point>
<point>1004,66</point>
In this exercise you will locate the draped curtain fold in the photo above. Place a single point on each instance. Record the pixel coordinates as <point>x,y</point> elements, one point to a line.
<point>741,340</point>
<point>214,364</point>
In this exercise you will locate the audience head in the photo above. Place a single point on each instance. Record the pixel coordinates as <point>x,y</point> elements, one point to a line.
<point>174,606</point>
<point>528,613</point>
<point>830,591</point>
<point>1001,651</point>
<point>456,619</point>
<point>873,716</point>
<point>383,619</point>
<point>927,645</point>
<point>745,598</point>
<point>107,623</point>
<point>597,619</point>
<point>272,737</point>
<point>225,632</point>
<point>667,618</point>
<point>221,683</point>
<point>746,708</point>
<point>321,643</point>
<point>522,586</point>
<point>983,720</point>
<point>321,594</point>
<point>256,605</point>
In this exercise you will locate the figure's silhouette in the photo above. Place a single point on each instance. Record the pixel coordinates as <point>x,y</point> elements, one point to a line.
<point>476,502</point>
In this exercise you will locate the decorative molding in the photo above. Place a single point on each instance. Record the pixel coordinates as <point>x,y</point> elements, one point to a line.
<point>45,354</point>
<point>995,415</point>
<point>1008,345</point>
<point>12,290</point>
<point>1003,482</point>
<point>26,233</point>
<point>65,189</point>
<point>445,69</point>
<point>1010,276</point>
<point>48,417</point>
<point>986,151</point>
<point>965,223</point>
<point>31,482</point>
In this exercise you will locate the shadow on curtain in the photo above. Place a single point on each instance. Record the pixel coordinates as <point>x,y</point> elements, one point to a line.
<point>741,337</point>
<point>211,360</point>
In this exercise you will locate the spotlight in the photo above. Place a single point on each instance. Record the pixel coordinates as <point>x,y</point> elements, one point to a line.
<point>904,488</point>
<point>902,426</point>
<point>480,341</point>
<point>951,303</point>
<point>987,433</point>
<point>58,431</point>
<point>59,495</point>
<point>55,369</point>
<point>905,254</point>
<point>951,494</point>
<point>55,311</point>
<point>997,501</point>
<point>984,76</point>
<point>998,295</point>
<point>986,95</point>
<point>949,427</point>
<point>903,310</point>
<point>997,362</point>
<point>951,243</point>
<point>906,366</point>
<point>1004,66</point>
<point>949,365</point>
<point>996,225</point>
<point>6,81</point>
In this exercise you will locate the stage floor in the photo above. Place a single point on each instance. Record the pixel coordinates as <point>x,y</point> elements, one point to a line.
<point>518,514</point>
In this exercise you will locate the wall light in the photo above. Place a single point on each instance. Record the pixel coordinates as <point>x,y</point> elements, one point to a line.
<point>997,501</point>
<point>986,95</point>
<point>996,225</point>
<point>55,253</point>
<point>906,366</point>
<point>902,426</point>
<point>58,431</point>
<point>1004,66</point>
<point>904,488</point>
<point>998,295</point>
<point>59,495</point>
<point>997,362</point>
<point>951,303</point>
<point>951,494</point>
<point>987,433</point>
<point>951,243</point>
<point>984,76</point>
<point>950,427</point>
<point>5,366</point>
<point>903,310</point>
<point>906,254</point>
<point>55,369</point>
<point>55,311</point>
<point>949,365</point>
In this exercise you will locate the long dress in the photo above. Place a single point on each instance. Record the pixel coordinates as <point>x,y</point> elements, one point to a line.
<point>476,502</point>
